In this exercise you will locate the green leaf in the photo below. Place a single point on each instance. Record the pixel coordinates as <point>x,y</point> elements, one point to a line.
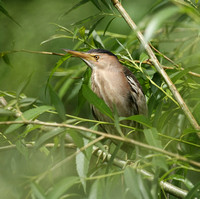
<point>5,12</point>
<point>5,112</point>
<point>22,148</point>
<point>96,3</point>
<point>107,26</point>
<point>37,191</point>
<point>93,99</point>
<point>158,20</point>
<point>179,75</point>
<point>97,190</point>
<point>61,187</point>
<point>28,115</point>
<point>143,57</point>
<point>194,193</point>
<point>97,40</point>
<point>152,137</point>
<point>94,26</point>
<point>76,6</point>
<point>45,137</point>
<point>136,185</point>
<point>182,179</point>
<point>77,138</point>
<point>6,59</point>
<point>138,118</point>
<point>23,86</point>
<point>58,64</point>
<point>56,36</point>
<point>56,101</point>
<point>82,164</point>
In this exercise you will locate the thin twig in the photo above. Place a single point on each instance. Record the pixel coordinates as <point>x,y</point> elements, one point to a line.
<point>156,63</point>
<point>115,137</point>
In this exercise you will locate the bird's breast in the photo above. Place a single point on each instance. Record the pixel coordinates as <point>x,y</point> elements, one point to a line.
<point>113,88</point>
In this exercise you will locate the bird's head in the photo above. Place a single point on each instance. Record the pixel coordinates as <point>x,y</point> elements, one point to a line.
<point>97,58</point>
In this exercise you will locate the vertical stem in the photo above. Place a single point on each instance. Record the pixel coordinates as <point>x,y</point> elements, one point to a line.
<point>157,65</point>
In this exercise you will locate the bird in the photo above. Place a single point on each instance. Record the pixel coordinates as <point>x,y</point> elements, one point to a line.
<point>115,84</point>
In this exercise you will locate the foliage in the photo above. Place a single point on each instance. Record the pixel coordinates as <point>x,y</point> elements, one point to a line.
<point>38,151</point>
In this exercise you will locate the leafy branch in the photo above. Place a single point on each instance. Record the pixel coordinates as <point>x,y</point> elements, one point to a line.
<point>156,63</point>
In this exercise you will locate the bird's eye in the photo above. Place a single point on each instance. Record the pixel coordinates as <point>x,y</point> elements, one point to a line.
<point>96,57</point>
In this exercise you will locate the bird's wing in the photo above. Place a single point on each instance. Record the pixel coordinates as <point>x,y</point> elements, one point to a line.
<point>137,95</point>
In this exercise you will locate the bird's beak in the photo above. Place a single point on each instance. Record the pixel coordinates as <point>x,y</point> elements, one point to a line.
<point>83,55</point>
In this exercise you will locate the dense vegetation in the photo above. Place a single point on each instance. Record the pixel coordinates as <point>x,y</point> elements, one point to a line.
<point>50,144</point>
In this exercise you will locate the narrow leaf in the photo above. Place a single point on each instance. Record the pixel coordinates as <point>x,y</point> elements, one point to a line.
<point>28,115</point>
<point>93,99</point>
<point>56,101</point>
<point>45,137</point>
<point>130,177</point>
<point>23,85</point>
<point>194,193</point>
<point>152,138</point>
<point>5,12</point>
<point>94,26</point>
<point>107,26</point>
<point>61,187</point>
<point>76,6</point>
<point>158,20</point>
<point>58,64</point>
<point>37,191</point>
<point>82,164</point>
<point>138,118</point>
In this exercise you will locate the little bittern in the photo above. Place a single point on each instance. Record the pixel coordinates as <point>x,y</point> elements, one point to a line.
<point>115,84</point>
